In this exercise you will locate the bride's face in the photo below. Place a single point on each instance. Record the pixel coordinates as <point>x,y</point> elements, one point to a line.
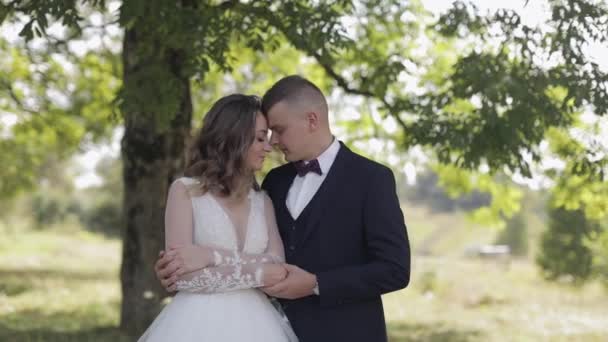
<point>260,147</point>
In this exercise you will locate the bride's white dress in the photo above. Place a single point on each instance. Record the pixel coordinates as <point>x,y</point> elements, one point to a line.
<point>221,303</point>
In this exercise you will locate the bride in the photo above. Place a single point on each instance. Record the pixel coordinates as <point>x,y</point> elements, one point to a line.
<point>221,229</point>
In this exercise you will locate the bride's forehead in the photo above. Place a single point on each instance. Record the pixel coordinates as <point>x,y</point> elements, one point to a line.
<point>261,121</point>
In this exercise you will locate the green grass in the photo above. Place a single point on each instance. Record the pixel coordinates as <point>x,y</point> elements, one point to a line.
<point>457,298</point>
<point>62,285</point>
<point>473,300</point>
<point>447,234</point>
<point>59,286</point>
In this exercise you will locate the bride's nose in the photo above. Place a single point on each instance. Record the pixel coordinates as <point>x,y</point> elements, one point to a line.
<point>267,147</point>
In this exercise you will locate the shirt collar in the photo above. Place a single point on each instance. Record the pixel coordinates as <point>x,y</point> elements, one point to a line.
<point>326,159</point>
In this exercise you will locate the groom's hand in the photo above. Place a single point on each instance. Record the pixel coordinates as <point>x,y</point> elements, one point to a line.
<point>166,268</point>
<point>298,284</point>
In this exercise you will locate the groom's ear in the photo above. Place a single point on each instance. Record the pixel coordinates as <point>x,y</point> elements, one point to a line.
<point>312,118</point>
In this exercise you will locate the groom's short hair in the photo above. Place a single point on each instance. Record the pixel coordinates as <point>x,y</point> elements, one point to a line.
<point>293,88</point>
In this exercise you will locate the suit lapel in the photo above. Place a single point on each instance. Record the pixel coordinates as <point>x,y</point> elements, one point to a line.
<point>280,204</point>
<point>328,192</point>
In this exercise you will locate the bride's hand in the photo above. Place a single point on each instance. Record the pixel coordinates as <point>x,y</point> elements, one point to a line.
<point>273,274</point>
<point>192,257</point>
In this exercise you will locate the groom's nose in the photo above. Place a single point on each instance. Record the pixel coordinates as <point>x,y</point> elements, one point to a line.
<point>274,139</point>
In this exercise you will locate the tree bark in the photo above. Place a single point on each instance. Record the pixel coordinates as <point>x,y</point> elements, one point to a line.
<point>152,156</point>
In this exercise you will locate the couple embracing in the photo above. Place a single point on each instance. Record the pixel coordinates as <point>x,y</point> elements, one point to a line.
<point>305,256</point>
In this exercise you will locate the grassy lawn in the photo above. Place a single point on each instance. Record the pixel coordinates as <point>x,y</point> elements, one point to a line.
<point>62,285</point>
<point>59,286</point>
<point>473,300</point>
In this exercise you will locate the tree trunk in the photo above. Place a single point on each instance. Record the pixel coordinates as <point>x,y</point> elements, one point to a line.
<point>152,156</point>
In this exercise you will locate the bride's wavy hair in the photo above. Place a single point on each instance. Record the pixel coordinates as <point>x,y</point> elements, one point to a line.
<point>217,154</point>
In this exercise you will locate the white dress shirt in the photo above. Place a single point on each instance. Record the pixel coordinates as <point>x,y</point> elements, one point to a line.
<point>304,188</point>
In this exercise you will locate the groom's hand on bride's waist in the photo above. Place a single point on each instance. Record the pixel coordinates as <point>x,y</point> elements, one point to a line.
<point>299,283</point>
<point>166,269</point>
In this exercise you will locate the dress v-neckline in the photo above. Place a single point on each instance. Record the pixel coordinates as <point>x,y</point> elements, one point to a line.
<point>226,214</point>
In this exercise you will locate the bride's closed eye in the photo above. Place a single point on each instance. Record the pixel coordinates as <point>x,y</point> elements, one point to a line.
<point>262,137</point>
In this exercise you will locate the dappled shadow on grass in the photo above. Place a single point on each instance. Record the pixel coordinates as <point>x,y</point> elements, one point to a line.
<point>13,287</point>
<point>403,332</point>
<point>84,317</point>
<point>29,276</point>
<point>89,316</point>
<point>97,334</point>
<point>16,282</point>
<point>92,322</point>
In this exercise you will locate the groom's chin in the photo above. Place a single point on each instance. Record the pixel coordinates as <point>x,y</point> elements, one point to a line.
<point>289,157</point>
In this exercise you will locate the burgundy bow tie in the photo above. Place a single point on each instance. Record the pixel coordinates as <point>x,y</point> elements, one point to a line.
<point>304,168</point>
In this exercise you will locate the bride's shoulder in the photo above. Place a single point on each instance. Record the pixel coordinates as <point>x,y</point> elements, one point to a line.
<point>265,199</point>
<point>191,185</point>
<point>187,181</point>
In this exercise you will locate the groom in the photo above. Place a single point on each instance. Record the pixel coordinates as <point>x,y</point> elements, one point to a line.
<point>339,217</point>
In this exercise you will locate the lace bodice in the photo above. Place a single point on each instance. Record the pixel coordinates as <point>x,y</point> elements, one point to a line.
<point>239,252</point>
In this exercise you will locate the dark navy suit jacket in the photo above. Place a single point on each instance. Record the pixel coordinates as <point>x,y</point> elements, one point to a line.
<point>354,239</point>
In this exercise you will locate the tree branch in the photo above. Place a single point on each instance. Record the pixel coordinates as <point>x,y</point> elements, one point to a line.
<point>327,67</point>
<point>343,83</point>
<point>15,98</point>
<point>226,5</point>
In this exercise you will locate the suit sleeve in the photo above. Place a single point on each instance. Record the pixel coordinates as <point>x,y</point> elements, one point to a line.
<point>267,182</point>
<point>388,250</point>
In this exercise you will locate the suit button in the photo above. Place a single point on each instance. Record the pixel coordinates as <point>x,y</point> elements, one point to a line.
<point>292,247</point>
<point>293,227</point>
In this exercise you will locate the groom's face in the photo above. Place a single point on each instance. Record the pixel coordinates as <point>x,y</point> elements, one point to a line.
<point>290,130</point>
